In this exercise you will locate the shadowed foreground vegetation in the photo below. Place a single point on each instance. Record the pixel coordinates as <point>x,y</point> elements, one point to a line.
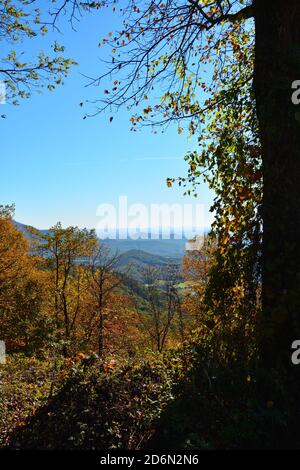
<point>156,404</point>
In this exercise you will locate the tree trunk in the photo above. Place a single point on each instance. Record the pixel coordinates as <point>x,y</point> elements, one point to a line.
<point>100,337</point>
<point>277,66</point>
<point>101,327</point>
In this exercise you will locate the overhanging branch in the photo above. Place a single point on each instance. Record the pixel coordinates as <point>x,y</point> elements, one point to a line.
<point>243,14</point>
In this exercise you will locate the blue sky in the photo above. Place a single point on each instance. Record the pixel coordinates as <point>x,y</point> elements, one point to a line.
<point>58,167</point>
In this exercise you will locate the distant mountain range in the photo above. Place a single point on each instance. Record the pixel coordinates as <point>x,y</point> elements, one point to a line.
<point>24,228</point>
<point>135,255</point>
<point>169,248</point>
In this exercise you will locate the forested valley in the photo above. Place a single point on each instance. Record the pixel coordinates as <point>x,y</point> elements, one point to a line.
<point>196,354</point>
